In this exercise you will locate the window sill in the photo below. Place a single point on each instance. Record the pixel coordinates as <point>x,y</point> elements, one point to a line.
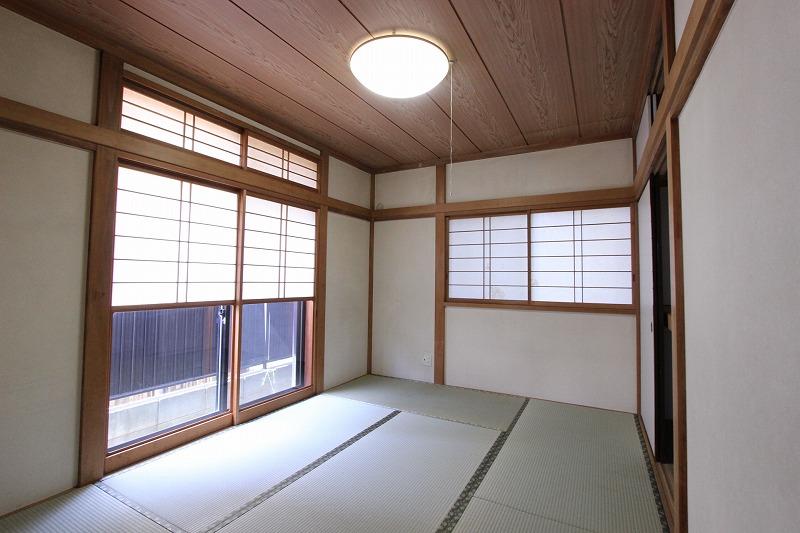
<point>623,309</point>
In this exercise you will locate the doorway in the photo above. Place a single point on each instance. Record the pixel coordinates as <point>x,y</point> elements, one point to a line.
<point>662,321</point>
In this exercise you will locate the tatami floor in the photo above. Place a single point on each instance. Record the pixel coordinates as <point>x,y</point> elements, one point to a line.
<point>380,455</point>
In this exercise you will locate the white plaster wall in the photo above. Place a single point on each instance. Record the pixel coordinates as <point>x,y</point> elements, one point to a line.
<point>681,15</point>
<point>579,358</point>
<point>647,340</point>
<point>44,214</point>
<point>403,298</point>
<point>346,299</point>
<point>741,244</point>
<point>348,183</point>
<point>405,188</point>
<point>44,69</point>
<point>577,168</point>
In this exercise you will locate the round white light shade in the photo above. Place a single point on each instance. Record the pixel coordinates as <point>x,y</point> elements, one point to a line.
<point>399,66</point>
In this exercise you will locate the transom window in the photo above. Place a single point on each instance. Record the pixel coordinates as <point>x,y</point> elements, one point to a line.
<point>160,118</point>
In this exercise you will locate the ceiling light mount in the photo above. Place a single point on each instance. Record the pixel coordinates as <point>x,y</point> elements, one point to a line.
<point>399,65</point>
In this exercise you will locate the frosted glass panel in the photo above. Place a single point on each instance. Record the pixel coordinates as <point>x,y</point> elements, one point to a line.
<point>461,291</point>
<point>466,237</point>
<point>607,296</point>
<point>276,161</point>
<point>143,271</point>
<point>279,248</point>
<point>466,278</point>
<point>551,264</point>
<point>509,293</point>
<point>509,236</point>
<point>488,257</point>
<point>259,291</point>
<point>553,218</point>
<point>603,216</point>
<point>553,294</point>
<point>465,224</point>
<point>518,264</point>
<point>607,231</point>
<point>158,249</point>
<point>136,293</point>
<point>611,263</point>
<point>595,255</point>
<point>466,251</point>
<point>168,123</point>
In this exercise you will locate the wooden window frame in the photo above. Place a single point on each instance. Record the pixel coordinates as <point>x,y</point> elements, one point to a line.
<point>234,414</point>
<point>168,96</point>
<point>628,309</point>
<point>94,458</point>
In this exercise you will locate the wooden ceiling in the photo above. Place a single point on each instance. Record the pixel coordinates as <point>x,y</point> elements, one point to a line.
<point>535,72</point>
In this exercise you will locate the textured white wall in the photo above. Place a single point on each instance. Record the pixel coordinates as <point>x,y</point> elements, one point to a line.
<point>405,188</point>
<point>347,299</point>
<point>45,69</point>
<point>44,213</point>
<point>348,183</point>
<point>682,8</point>
<point>577,168</point>
<point>647,340</point>
<point>403,299</point>
<point>741,243</point>
<point>579,358</point>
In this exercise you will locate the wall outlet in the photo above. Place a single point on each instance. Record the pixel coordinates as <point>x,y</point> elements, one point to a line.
<point>426,359</point>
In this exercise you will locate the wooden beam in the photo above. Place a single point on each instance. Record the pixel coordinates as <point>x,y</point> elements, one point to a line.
<point>97,320</point>
<point>29,119</point>
<point>320,276</point>
<point>440,283</point>
<point>702,27</point>
<point>595,198</point>
<point>667,12</point>
<point>371,271</point>
<point>100,261</point>
<point>678,326</point>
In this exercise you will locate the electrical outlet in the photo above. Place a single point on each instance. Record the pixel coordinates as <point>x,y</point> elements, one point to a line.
<point>426,359</point>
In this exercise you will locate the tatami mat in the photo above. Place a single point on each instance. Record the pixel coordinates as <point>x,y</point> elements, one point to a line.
<point>482,516</point>
<point>579,466</point>
<point>197,485</point>
<point>404,476</point>
<point>86,510</point>
<point>485,409</point>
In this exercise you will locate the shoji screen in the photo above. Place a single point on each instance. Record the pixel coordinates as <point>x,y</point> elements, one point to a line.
<point>275,161</point>
<point>175,241</point>
<point>582,256</point>
<point>488,258</point>
<point>158,119</point>
<point>279,249</point>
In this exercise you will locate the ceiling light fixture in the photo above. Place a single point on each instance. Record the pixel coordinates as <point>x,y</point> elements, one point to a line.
<point>399,66</point>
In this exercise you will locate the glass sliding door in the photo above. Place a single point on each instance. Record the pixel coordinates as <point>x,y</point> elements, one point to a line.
<point>273,350</point>
<point>195,266</point>
<point>169,368</point>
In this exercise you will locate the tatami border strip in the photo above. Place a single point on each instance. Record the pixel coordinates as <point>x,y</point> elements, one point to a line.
<point>652,475</point>
<point>297,475</point>
<point>169,526</point>
<point>454,514</point>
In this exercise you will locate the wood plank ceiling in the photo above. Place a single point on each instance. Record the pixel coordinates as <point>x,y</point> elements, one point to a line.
<point>527,72</point>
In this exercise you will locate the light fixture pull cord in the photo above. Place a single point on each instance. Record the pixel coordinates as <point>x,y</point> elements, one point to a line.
<point>451,120</point>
